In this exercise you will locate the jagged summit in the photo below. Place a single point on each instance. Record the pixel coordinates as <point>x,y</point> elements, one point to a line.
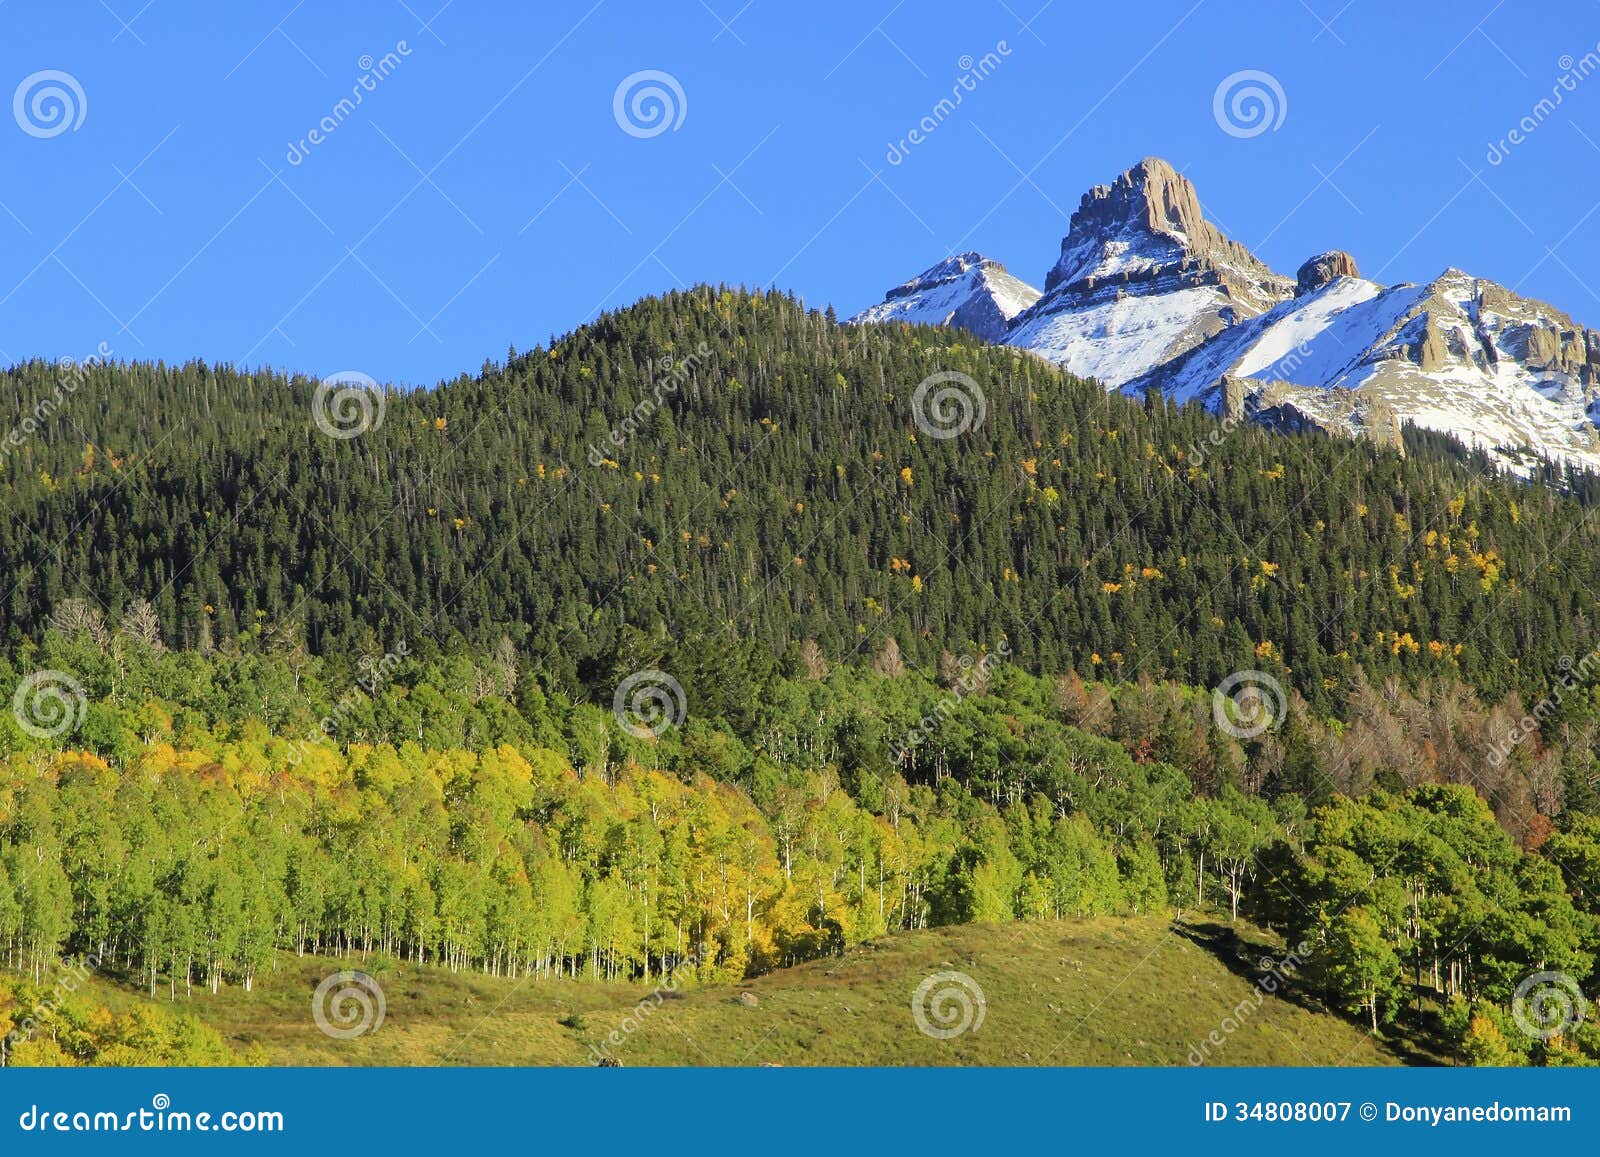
<point>1323,268</point>
<point>1145,223</point>
<point>967,290</point>
<point>1148,294</point>
<point>1142,278</point>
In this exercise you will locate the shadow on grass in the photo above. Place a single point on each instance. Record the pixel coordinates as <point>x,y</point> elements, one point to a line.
<point>1416,1038</point>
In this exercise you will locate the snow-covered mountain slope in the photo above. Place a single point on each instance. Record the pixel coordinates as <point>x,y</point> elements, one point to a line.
<point>1142,277</point>
<point>1147,293</point>
<point>1121,335</point>
<point>1460,354</point>
<point>967,290</point>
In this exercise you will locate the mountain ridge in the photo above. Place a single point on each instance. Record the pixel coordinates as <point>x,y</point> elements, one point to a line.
<point>1148,294</point>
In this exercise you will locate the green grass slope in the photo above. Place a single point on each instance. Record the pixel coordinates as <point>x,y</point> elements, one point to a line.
<point>1089,992</point>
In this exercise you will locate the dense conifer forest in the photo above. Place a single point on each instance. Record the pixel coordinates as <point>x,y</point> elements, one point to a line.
<point>781,491</point>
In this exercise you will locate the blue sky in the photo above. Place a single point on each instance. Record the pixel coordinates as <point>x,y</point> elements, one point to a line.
<point>484,193</point>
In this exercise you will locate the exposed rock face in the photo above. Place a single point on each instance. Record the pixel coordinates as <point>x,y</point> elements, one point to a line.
<point>1142,277</point>
<point>1148,294</point>
<point>1323,268</point>
<point>1147,225</point>
<point>968,290</point>
<point>1508,374</point>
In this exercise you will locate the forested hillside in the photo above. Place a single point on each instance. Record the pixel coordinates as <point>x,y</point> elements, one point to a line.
<point>781,491</point>
<point>279,691</point>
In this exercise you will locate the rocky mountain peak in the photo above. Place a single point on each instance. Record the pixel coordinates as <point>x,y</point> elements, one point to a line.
<point>950,269</point>
<point>1323,268</point>
<point>1148,294</point>
<point>1152,196</point>
<point>1147,222</point>
<point>967,290</point>
<point>1142,277</point>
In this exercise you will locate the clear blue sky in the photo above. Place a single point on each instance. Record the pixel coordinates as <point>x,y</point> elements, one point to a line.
<point>483,193</point>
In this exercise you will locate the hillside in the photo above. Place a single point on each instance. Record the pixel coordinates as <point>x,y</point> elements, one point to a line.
<point>803,656</point>
<point>768,481</point>
<point>1057,993</point>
